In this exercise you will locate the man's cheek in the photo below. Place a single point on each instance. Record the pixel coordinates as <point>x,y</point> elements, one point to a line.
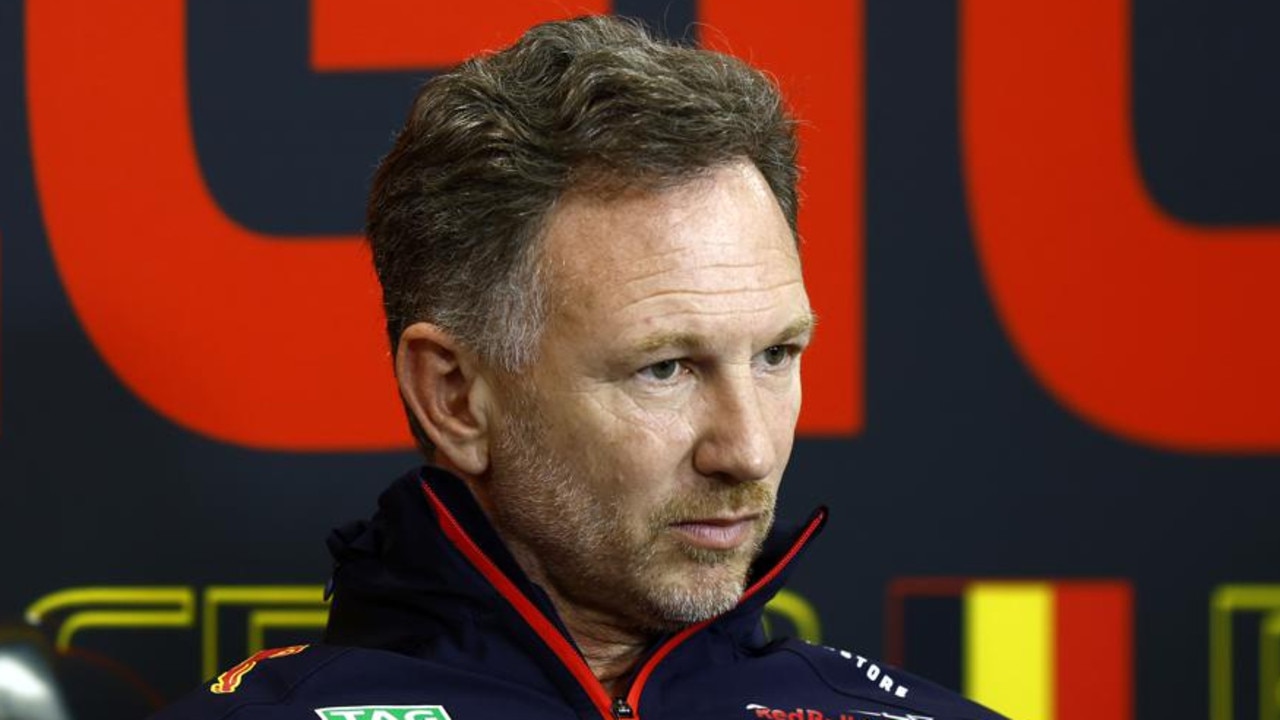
<point>666,429</point>
<point>646,435</point>
<point>789,397</point>
<point>621,416</point>
<point>783,423</point>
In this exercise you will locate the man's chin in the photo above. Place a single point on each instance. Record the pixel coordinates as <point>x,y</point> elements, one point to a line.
<point>697,590</point>
<point>685,606</point>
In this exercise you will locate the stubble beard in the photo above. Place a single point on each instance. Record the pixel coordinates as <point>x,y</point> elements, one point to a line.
<point>650,580</point>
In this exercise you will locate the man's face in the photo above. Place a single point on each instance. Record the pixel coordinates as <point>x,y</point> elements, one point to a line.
<point>637,460</point>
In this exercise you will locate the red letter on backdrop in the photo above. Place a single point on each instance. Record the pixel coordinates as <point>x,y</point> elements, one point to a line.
<point>815,50</point>
<point>1157,330</point>
<point>279,345</point>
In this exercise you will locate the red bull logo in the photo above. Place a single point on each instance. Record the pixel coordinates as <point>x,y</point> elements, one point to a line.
<point>229,681</point>
<point>768,713</point>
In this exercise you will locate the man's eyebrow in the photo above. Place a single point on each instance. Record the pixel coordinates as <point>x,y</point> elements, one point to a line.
<point>799,327</point>
<point>688,341</point>
<point>659,341</point>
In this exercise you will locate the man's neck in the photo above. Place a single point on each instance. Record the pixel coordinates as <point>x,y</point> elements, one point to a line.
<point>610,646</point>
<point>610,649</point>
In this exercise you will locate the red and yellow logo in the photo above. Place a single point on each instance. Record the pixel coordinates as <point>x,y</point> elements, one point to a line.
<point>229,681</point>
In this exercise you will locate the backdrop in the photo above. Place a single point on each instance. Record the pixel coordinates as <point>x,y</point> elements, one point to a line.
<point>1044,404</point>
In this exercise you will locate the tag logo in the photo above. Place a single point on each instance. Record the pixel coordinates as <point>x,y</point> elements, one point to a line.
<point>384,712</point>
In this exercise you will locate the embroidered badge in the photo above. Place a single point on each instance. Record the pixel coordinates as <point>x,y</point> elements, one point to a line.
<point>229,681</point>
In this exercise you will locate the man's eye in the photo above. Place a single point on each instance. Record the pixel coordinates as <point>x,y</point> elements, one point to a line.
<point>664,370</point>
<point>776,355</point>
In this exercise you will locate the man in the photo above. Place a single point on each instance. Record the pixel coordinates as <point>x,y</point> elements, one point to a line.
<point>587,249</point>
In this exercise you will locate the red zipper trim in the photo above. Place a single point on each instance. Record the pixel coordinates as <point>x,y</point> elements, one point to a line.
<point>531,614</point>
<point>637,685</point>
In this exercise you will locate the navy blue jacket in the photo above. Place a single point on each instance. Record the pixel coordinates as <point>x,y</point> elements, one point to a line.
<point>432,619</point>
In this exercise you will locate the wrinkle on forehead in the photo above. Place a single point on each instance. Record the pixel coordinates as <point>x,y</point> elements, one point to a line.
<point>780,300</point>
<point>719,234</point>
<point>743,290</point>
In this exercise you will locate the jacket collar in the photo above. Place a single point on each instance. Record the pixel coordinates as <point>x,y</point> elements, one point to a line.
<point>429,576</point>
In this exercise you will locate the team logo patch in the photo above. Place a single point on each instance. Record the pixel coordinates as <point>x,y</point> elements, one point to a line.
<point>384,712</point>
<point>229,681</point>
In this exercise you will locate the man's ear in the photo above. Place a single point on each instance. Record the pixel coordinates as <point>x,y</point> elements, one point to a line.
<point>442,386</point>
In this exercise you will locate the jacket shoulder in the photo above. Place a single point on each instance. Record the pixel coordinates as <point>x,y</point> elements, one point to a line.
<point>262,682</point>
<point>858,676</point>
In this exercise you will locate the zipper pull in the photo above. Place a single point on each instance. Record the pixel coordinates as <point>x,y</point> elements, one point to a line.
<point>621,710</point>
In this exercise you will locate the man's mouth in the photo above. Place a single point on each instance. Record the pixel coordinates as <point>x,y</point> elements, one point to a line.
<point>717,533</point>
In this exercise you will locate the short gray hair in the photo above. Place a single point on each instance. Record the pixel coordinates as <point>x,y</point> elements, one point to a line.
<point>458,205</point>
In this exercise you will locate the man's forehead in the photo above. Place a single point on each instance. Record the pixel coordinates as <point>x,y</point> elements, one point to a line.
<point>725,225</point>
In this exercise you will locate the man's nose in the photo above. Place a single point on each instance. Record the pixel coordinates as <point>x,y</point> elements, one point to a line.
<point>735,444</point>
